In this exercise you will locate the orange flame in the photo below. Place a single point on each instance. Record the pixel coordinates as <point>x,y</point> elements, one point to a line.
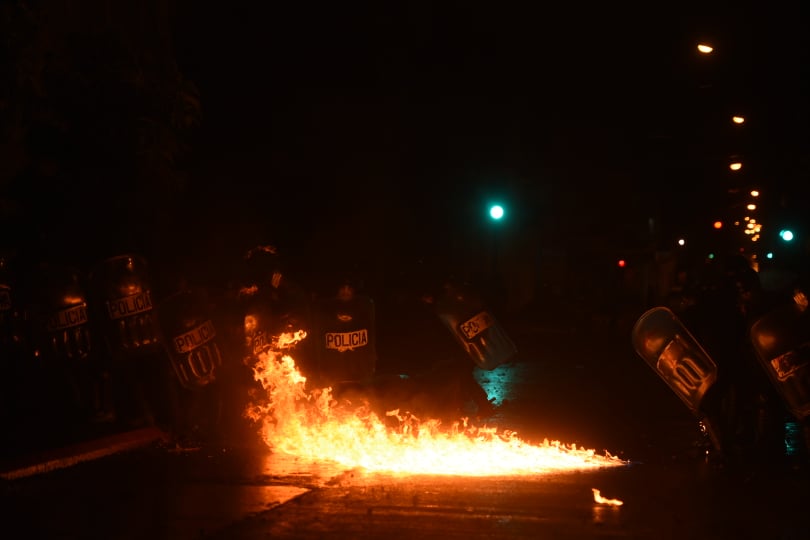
<point>599,499</point>
<point>314,426</point>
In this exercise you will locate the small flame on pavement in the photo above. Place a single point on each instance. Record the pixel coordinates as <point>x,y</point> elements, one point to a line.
<point>597,497</point>
<point>312,425</point>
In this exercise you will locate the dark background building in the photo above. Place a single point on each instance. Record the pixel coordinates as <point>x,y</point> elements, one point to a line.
<point>373,136</point>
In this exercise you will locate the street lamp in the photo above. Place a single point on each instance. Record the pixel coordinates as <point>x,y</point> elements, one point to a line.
<point>705,48</point>
<point>786,235</point>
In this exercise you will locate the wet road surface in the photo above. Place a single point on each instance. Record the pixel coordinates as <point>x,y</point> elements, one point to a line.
<point>584,389</point>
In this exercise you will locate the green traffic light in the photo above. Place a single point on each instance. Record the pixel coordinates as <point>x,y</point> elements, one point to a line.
<point>786,235</point>
<point>496,212</point>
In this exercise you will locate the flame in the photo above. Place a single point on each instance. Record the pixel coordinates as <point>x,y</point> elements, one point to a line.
<point>248,291</point>
<point>597,497</point>
<point>312,425</point>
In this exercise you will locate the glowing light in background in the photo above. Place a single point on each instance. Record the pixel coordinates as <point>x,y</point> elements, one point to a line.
<point>738,119</point>
<point>735,166</point>
<point>705,48</point>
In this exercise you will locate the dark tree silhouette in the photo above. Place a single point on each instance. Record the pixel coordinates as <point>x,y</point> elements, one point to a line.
<point>98,124</point>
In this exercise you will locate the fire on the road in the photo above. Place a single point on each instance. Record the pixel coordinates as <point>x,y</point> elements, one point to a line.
<point>599,499</point>
<point>310,425</point>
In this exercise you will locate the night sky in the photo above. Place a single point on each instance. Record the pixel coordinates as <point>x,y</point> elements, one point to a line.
<point>438,104</point>
<point>368,130</point>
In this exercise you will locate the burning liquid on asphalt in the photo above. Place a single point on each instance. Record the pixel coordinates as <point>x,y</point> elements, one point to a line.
<point>311,425</point>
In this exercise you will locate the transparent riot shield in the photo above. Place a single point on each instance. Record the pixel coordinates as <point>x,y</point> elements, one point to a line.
<point>781,340</point>
<point>191,339</point>
<point>675,355</point>
<point>474,327</point>
<point>661,339</point>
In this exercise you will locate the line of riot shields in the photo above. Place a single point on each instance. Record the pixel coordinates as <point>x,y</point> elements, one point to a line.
<point>87,351</point>
<point>736,354</point>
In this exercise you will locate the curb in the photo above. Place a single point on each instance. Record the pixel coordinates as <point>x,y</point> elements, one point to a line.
<point>77,453</point>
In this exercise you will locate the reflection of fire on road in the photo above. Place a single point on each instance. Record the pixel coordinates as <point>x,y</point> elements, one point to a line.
<point>312,425</point>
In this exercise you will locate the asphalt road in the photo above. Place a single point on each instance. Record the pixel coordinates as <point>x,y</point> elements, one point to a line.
<point>584,388</point>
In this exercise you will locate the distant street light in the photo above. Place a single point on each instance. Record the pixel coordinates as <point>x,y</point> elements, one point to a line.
<point>496,212</point>
<point>735,166</point>
<point>786,235</point>
<point>704,48</point>
<point>738,119</point>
